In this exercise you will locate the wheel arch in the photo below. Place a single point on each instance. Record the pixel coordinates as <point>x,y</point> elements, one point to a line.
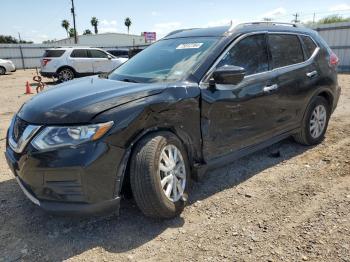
<point>66,66</point>
<point>123,172</point>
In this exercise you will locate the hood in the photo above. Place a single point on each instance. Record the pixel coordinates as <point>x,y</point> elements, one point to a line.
<point>78,101</point>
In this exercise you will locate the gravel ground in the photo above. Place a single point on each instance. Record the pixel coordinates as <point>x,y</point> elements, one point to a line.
<point>264,207</point>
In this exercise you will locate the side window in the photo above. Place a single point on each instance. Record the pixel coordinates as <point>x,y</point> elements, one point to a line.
<point>310,46</point>
<point>79,53</point>
<point>285,50</point>
<point>97,54</point>
<point>250,53</point>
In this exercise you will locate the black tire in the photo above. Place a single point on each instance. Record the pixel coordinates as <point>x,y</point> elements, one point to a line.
<point>2,70</point>
<point>304,137</point>
<point>65,74</point>
<point>145,176</point>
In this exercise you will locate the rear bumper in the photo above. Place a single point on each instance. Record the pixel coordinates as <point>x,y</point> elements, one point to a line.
<point>47,74</point>
<point>336,98</point>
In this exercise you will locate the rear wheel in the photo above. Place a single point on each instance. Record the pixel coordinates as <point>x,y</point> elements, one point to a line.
<point>65,74</point>
<point>2,70</point>
<point>160,175</point>
<point>315,122</point>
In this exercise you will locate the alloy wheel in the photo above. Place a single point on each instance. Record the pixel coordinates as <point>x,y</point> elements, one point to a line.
<point>172,172</point>
<point>318,121</point>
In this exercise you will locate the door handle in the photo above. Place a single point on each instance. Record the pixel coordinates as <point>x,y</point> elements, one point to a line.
<point>312,74</point>
<point>270,88</point>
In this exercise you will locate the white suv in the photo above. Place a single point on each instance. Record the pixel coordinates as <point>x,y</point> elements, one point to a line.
<point>6,66</point>
<point>68,63</point>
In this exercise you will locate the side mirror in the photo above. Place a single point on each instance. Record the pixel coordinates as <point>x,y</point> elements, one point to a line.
<point>109,57</point>
<point>228,75</point>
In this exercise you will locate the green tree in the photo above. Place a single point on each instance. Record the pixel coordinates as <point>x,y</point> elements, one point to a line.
<point>94,23</point>
<point>127,23</point>
<point>333,19</point>
<point>7,39</point>
<point>87,32</point>
<point>71,32</point>
<point>65,24</point>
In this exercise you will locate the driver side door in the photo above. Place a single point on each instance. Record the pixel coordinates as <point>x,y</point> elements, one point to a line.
<point>237,116</point>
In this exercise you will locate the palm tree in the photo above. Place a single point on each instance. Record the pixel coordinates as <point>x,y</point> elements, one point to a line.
<point>94,23</point>
<point>87,32</point>
<point>127,23</point>
<point>71,32</point>
<point>65,24</point>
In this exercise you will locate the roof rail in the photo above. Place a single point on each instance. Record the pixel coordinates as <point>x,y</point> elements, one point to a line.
<point>267,23</point>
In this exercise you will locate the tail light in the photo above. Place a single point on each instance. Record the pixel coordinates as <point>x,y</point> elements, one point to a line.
<point>333,59</point>
<point>45,61</point>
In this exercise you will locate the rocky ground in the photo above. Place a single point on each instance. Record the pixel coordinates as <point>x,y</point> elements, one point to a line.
<point>291,206</point>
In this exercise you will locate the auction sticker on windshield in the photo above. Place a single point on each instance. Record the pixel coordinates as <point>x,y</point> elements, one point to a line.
<point>189,46</point>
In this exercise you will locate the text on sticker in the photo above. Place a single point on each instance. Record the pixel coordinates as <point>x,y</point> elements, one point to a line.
<point>189,46</point>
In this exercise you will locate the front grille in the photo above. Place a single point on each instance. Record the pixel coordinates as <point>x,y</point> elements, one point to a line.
<point>18,128</point>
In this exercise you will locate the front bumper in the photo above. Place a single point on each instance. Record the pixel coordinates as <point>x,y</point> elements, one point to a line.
<point>70,181</point>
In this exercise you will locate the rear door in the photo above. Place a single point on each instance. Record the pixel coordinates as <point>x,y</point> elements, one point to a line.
<point>80,61</point>
<point>101,62</point>
<point>295,75</point>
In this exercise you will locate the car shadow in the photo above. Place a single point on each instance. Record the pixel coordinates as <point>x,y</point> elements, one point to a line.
<point>28,232</point>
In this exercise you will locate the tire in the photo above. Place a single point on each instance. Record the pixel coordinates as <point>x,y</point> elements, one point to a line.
<point>307,135</point>
<point>146,174</point>
<point>2,70</point>
<point>65,74</point>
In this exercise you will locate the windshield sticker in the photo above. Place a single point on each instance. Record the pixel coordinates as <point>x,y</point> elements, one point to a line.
<point>189,46</point>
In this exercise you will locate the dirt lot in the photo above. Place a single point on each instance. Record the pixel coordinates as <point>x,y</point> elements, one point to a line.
<point>295,207</point>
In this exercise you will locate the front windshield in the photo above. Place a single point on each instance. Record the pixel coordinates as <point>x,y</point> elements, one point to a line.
<point>166,60</point>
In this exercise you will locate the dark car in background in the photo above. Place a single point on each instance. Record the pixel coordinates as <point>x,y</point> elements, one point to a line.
<point>119,52</point>
<point>193,101</point>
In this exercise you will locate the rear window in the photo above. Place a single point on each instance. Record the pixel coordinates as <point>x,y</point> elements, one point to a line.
<point>81,53</point>
<point>285,50</point>
<point>54,53</point>
<point>310,46</point>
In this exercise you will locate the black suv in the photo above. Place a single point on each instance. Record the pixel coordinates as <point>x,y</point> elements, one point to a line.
<point>196,99</point>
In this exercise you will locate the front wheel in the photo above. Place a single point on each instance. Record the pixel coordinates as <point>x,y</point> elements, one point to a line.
<point>160,175</point>
<point>315,123</point>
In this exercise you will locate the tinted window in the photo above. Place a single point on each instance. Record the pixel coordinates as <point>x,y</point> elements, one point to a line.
<point>166,60</point>
<point>285,50</point>
<point>97,54</point>
<point>309,44</point>
<point>54,53</point>
<point>82,53</point>
<point>250,53</point>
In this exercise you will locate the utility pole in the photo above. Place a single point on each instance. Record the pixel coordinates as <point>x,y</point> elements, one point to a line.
<point>75,29</point>
<point>21,51</point>
<point>314,19</point>
<point>296,18</point>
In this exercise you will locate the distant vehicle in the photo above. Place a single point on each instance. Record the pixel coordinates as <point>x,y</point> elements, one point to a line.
<point>71,62</point>
<point>6,66</point>
<point>119,52</point>
<point>191,102</point>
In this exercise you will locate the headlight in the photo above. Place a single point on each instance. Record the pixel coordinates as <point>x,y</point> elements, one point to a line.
<point>56,136</point>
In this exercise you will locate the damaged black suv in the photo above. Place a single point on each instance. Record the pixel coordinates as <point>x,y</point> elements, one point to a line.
<point>195,100</point>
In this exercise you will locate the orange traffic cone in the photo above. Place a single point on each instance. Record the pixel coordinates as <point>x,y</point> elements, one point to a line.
<point>28,89</point>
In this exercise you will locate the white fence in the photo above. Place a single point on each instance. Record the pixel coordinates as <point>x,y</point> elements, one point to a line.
<point>24,55</point>
<point>338,37</point>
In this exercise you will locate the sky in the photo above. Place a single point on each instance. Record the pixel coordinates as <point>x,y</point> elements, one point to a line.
<point>40,20</point>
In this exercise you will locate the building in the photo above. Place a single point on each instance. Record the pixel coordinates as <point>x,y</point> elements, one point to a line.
<point>104,40</point>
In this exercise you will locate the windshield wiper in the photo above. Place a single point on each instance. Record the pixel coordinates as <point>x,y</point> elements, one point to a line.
<point>129,80</point>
